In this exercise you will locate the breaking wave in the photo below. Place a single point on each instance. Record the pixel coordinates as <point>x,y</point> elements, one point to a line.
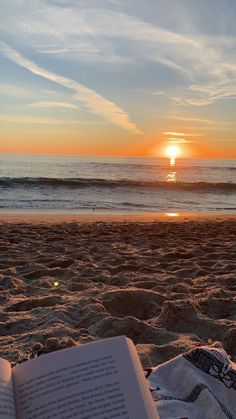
<point>47,182</point>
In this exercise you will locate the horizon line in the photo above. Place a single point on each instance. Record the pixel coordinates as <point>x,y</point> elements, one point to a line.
<point>112,156</point>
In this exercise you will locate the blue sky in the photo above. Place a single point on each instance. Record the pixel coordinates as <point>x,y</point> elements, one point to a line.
<point>117,75</point>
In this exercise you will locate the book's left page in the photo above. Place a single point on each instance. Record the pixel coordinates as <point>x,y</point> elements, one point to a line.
<point>7,401</point>
<point>94,380</point>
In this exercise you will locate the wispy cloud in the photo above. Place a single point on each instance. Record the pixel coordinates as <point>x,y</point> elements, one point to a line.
<point>26,93</point>
<point>181,134</point>
<point>174,140</point>
<point>203,123</point>
<point>92,100</point>
<point>178,137</point>
<point>16,119</point>
<point>13,90</point>
<point>187,57</point>
<point>48,105</point>
<point>190,119</point>
<point>151,92</point>
<point>83,31</point>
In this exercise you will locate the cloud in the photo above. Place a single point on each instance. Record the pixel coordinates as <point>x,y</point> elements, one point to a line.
<point>201,121</point>
<point>30,93</point>
<point>181,134</point>
<point>178,137</point>
<point>208,93</point>
<point>16,119</point>
<point>48,105</point>
<point>150,92</point>
<point>94,34</point>
<point>95,102</point>
<point>13,90</point>
<point>79,30</point>
<point>178,140</point>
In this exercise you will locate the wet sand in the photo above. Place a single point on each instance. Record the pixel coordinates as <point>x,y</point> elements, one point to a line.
<point>168,283</point>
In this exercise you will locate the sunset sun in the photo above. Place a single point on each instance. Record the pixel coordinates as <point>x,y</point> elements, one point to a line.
<point>173,151</point>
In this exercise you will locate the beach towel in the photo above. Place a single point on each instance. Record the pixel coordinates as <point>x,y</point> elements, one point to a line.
<point>197,385</point>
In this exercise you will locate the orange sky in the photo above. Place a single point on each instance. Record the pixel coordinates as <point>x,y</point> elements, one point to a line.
<point>115,78</point>
<point>19,138</point>
<point>148,149</point>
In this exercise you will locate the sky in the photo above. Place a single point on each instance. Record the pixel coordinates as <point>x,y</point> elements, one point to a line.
<point>118,77</point>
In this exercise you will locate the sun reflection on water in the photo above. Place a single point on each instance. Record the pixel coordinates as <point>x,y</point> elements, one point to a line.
<point>172,174</point>
<point>171,177</point>
<point>172,214</point>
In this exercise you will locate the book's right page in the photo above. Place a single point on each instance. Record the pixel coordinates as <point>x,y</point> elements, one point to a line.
<point>92,381</point>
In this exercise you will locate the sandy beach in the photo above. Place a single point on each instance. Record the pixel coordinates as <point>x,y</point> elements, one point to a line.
<point>169,283</point>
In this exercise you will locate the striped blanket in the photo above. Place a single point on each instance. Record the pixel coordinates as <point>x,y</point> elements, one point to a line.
<point>200,384</point>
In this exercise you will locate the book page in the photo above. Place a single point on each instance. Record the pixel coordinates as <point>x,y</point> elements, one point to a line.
<point>91,381</point>
<point>7,401</point>
<point>146,394</point>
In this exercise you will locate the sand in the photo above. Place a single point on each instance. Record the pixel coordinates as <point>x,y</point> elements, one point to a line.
<point>169,284</point>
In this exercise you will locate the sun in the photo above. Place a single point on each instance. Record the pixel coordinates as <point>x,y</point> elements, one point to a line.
<point>173,151</point>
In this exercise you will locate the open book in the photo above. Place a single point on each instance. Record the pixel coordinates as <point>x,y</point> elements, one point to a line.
<point>99,380</point>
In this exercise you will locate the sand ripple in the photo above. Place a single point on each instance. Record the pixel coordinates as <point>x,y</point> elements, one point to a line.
<point>168,286</point>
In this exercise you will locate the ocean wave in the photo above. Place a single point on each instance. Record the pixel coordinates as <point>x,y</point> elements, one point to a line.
<point>47,182</point>
<point>180,165</point>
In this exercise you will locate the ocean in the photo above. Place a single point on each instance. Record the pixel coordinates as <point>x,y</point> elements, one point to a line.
<point>108,184</point>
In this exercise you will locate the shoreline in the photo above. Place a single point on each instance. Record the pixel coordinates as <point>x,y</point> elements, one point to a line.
<point>55,216</point>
